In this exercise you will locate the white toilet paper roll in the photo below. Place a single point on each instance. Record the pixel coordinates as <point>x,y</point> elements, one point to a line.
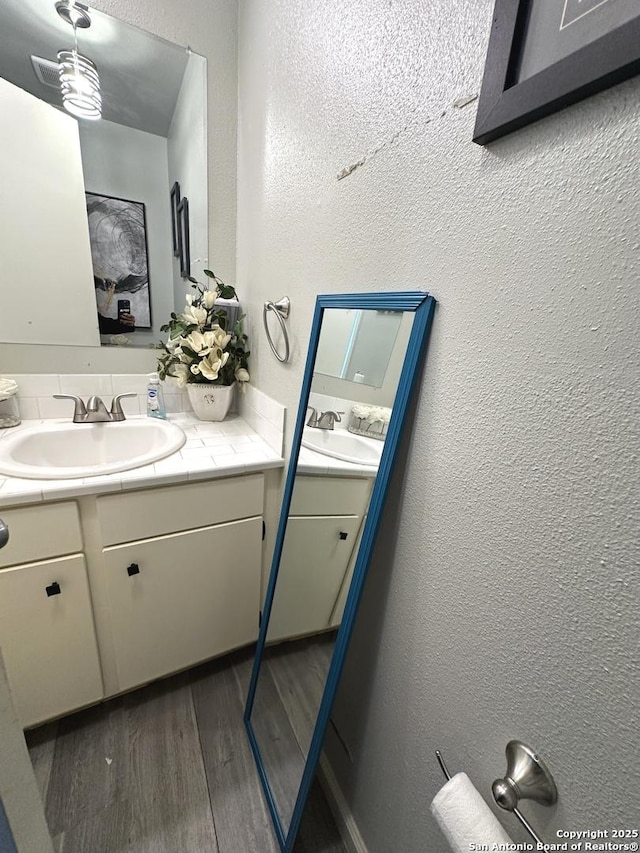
<point>464,817</point>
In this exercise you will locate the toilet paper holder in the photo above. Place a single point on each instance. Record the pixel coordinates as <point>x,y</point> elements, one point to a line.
<point>527,778</point>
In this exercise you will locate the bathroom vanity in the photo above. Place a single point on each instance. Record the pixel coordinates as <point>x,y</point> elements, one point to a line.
<point>127,581</point>
<point>108,583</point>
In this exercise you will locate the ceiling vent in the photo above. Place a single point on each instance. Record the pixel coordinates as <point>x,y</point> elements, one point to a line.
<point>47,71</point>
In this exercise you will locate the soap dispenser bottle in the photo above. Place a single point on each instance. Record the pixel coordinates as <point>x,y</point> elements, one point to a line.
<point>155,398</point>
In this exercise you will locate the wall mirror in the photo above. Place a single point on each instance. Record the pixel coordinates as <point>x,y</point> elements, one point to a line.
<point>152,136</point>
<point>332,503</point>
<point>358,345</point>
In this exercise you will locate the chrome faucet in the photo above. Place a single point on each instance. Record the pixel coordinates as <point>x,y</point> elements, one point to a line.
<point>323,420</point>
<point>326,420</point>
<point>95,412</point>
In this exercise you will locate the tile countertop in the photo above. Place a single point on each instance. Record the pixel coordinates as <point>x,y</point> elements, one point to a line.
<point>211,450</point>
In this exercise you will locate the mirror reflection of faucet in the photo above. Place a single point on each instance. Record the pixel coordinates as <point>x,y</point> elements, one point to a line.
<point>323,420</point>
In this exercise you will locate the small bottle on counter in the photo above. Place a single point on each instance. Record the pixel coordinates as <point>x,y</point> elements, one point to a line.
<point>155,398</point>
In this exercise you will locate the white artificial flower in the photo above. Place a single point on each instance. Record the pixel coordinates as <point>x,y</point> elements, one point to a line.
<point>242,375</point>
<point>189,299</point>
<point>182,356</point>
<point>174,344</point>
<point>200,343</point>
<point>180,373</point>
<point>220,336</point>
<point>191,314</point>
<point>213,364</point>
<point>210,339</point>
<point>195,369</point>
<point>209,298</point>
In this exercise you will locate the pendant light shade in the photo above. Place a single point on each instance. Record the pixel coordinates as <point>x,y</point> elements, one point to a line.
<point>79,80</point>
<point>80,85</point>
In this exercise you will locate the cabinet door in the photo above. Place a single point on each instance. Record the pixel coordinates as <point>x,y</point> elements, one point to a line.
<point>177,600</point>
<point>316,553</point>
<point>314,495</point>
<point>48,640</point>
<point>58,533</point>
<point>338,610</point>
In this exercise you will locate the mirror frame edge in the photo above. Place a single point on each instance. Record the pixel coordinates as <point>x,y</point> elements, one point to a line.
<point>422,305</point>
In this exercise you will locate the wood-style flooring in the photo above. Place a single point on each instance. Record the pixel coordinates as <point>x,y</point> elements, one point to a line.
<point>168,768</point>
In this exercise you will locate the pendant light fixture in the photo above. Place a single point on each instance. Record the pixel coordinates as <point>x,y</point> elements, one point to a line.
<point>79,80</point>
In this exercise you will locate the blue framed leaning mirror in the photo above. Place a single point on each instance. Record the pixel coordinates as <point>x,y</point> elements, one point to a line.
<point>365,355</point>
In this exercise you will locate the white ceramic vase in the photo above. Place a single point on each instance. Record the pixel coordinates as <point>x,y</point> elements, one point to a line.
<point>211,402</point>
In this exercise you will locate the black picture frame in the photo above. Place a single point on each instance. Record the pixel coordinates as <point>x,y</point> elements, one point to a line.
<point>503,108</point>
<point>120,259</point>
<point>183,228</point>
<point>175,231</point>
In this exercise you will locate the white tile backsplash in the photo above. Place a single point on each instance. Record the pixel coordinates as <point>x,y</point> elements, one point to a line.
<point>133,405</point>
<point>173,403</point>
<point>35,393</point>
<point>50,408</point>
<point>37,384</point>
<point>86,385</point>
<point>29,408</point>
<point>125,383</point>
<point>264,415</point>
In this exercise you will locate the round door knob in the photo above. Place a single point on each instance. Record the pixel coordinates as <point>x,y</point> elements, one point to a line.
<point>133,569</point>
<point>4,533</point>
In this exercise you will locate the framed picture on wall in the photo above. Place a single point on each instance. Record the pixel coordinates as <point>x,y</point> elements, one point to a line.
<point>183,227</point>
<point>118,236</point>
<point>544,55</point>
<point>175,231</point>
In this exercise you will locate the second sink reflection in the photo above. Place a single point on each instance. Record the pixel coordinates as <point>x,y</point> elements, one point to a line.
<point>340,444</point>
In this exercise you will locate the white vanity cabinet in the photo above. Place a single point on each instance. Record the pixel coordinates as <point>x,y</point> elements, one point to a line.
<point>323,529</point>
<point>181,574</point>
<point>47,632</point>
<point>109,592</point>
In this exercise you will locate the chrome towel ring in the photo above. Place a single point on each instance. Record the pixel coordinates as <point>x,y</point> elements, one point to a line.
<point>281,310</point>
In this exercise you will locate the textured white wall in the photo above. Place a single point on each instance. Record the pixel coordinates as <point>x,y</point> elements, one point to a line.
<point>503,596</point>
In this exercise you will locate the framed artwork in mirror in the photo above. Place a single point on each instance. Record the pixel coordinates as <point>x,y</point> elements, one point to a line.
<point>119,254</point>
<point>345,444</point>
<point>183,238</point>
<point>544,56</point>
<point>175,231</point>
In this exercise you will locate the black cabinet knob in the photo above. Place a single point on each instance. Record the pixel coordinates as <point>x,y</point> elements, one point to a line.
<point>53,589</point>
<point>133,569</point>
<point>343,535</point>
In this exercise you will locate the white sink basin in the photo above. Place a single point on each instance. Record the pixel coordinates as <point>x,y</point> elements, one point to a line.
<point>60,451</point>
<point>344,445</point>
